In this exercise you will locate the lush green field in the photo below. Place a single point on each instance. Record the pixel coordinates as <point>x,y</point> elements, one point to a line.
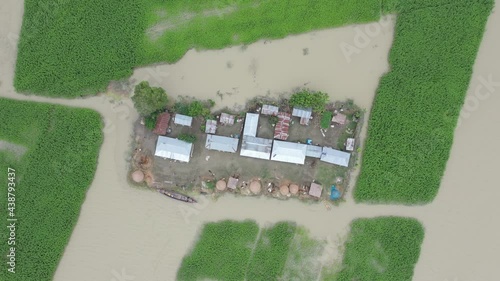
<point>73,48</point>
<point>270,254</point>
<point>417,104</point>
<point>380,249</point>
<point>222,252</point>
<point>51,180</point>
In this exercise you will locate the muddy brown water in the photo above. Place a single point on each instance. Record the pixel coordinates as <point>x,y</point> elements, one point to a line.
<point>123,232</point>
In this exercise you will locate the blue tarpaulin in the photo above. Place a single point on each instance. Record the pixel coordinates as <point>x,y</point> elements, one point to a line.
<point>334,193</point>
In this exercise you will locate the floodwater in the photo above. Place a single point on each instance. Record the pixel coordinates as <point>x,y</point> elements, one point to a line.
<point>128,234</point>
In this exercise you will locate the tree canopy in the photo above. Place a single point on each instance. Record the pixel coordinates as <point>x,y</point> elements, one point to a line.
<point>149,99</point>
<point>306,98</point>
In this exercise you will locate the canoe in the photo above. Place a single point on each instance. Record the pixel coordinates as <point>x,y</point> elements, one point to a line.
<point>177,196</point>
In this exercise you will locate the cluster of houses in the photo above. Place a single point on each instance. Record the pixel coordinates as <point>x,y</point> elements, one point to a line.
<point>277,149</point>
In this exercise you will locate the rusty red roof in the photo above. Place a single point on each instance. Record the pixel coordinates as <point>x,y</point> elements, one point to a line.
<point>161,126</point>
<point>281,128</point>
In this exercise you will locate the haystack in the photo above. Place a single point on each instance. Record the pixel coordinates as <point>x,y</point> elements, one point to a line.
<point>284,190</point>
<point>255,187</point>
<point>138,176</point>
<point>294,189</point>
<point>220,185</point>
<point>149,178</point>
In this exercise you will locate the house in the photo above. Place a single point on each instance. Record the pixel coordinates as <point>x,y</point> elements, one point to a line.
<point>315,190</point>
<point>349,146</point>
<point>220,143</point>
<point>269,110</point>
<point>251,124</point>
<point>290,152</point>
<point>210,126</point>
<point>256,147</point>
<point>226,119</point>
<point>336,157</point>
<point>183,120</point>
<point>339,118</point>
<point>314,151</point>
<point>173,149</point>
<point>304,114</point>
<point>162,121</point>
<point>281,128</point>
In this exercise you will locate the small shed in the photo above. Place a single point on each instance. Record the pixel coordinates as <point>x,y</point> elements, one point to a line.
<point>269,110</point>
<point>349,146</point>
<point>315,190</point>
<point>232,182</point>
<point>251,124</point>
<point>290,152</point>
<point>210,126</point>
<point>183,120</point>
<point>220,143</point>
<point>161,126</point>
<point>282,127</point>
<point>173,149</point>
<point>313,151</point>
<point>304,114</point>
<point>336,157</point>
<point>226,119</point>
<point>339,118</point>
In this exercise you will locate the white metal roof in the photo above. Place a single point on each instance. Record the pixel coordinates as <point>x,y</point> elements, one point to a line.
<point>302,112</point>
<point>210,126</point>
<point>336,157</point>
<point>350,144</point>
<point>251,124</point>
<point>314,151</point>
<point>290,152</point>
<point>173,148</point>
<point>269,109</point>
<point>256,147</point>
<point>183,120</point>
<point>220,143</point>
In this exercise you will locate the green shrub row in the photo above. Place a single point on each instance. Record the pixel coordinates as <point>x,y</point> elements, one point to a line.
<point>52,179</point>
<point>410,131</point>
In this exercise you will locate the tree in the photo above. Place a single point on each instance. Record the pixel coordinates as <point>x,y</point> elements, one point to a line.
<point>149,99</point>
<point>306,98</point>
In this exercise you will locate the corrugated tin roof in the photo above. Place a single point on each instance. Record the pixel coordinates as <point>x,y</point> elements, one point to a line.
<point>350,144</point>
<point>336,157</point>
<point>256,147</point>
<point>281,128</point>
<point>183,120</point>
<point>290,152</point>
<point>210,126</point>
<point>173,149</point>
<point>220,143</point>
<point>251,124</point>
<point>226,119</point>
<point>302,112</point>
<point>232,182</point>
<point>315,190</point>
<point>314,151</point>
<point>269,109</point>
<point>161,126</point>
<point>340,118</point>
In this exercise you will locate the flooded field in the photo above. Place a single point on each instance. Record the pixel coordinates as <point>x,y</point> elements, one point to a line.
<point>124,231</point>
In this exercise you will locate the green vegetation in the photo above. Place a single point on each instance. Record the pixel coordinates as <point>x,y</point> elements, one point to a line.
<point>326,119</point>
<point>68,49</point>
<point>149,99</point>
<point>187,138</point>
<point>221,253</point>
<point>384,248</point>
<point>52,178</point>
<point>194,108</point>
<point>269,256</point>
<point>150,120</point>
<point>417,104</point>
<point>306,98</point>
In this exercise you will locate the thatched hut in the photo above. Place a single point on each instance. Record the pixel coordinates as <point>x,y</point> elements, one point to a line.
<point>221,185</point>
<point>284,190</point>
<point>138,176</point>
<point>255,187</point>
<point>294,189</point>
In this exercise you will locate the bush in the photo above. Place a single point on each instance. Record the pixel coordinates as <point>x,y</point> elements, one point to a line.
<point>52,179</point>
<point>305,98</point>
<point>149,99</point>
<point>326,119</point>
<point>187,138</point>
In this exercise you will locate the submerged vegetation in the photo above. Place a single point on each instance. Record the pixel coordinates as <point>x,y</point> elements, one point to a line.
<point>52,178</point>
<point>384,248</point>
<point>416,108</point>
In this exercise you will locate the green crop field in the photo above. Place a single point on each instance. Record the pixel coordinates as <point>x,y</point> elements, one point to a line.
<point>380,249</point>
<point>410,131</point>
<point>51,179</point>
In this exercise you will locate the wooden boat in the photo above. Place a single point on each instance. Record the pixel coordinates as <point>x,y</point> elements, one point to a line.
<point>177,196</point>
